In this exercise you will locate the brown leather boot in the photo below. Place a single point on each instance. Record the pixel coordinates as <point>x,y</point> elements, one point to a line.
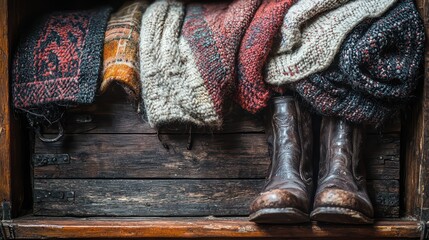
<point>286,195</point>
<point>341,195</point>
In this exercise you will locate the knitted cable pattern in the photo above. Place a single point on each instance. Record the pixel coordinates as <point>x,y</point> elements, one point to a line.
<point>298,16</point>
<point>164,68</point>
<point>57,63</point>
<point>188,57</point>
<point>321,40</point>
<point>376,72</point>
<point>252,93</point>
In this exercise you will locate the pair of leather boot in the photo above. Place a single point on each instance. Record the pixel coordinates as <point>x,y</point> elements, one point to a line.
<point>287,197</point>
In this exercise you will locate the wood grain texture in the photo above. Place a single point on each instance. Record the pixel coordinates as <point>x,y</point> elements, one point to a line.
<point>13,137</point>
<point>384,195</point>
<point>143,156</point>
<point>11,148</point>
<point>416,142</point>
<point>5,111</point>
<point>96,159</point>
<point>145,197</point>
<point>171,197</point>
<point>212,156</point>
<point>382,156</point>
<point>215,228</point>
<point>424,165</point>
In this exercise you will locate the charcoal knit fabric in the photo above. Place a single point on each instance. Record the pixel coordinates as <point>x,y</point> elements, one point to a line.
<point>252,93</point>
<point>321,40</point>
<point>58,62</point>
<point>332,99</point>
<point>383,61</point>
<point>376,71</point>
<point>121,44</point>
<point>188,56</point>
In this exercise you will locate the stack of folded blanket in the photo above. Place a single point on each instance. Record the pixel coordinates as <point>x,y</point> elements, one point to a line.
<point>358,60</point>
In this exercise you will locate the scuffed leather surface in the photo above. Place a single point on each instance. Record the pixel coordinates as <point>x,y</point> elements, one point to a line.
<point>289,136</point>
<point>341,169</point>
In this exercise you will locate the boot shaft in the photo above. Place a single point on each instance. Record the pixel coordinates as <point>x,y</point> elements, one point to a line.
<point>341,195</point>
<point>289,136</point>
<point>340,153</point>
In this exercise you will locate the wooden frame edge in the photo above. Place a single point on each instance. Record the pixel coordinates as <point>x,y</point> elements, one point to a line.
<point>5,111</point>
<point>417,175</point>
<point>416,192</point>
<point>36,228</point>
<point>12,191</point>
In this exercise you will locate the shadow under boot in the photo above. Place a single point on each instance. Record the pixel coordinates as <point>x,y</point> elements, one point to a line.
<point>286,196</point>
<point>341,195</point>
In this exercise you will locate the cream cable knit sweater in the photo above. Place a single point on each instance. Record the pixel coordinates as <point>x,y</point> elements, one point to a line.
<point>298,15</point>
<point>172,87</point>
<point>321,40</point>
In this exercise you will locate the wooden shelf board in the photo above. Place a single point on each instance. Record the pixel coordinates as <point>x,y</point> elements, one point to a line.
<point>65,228</point>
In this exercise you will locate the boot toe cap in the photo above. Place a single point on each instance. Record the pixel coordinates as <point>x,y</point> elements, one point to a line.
<point>338,198</point>
<point>279,198</point>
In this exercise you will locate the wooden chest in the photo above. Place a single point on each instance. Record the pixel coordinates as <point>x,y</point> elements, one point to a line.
<point>112,176</point>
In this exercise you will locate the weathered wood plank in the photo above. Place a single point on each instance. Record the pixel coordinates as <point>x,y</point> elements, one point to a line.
<point>214,228</point>
<point>12,146</point>
<point>416,170</point>
<point>5,111</point>
<point>212,156</point>
<point>145,197</point>
<point>172,197</point>
<point>143,156</point>
<point>382,156</point>
<point>384,195</point>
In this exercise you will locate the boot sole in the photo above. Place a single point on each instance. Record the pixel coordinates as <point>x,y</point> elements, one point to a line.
<point>279,215</point>
<point>339,215</point>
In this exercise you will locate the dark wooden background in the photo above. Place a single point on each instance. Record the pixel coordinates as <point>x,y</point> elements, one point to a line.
<point>118,167</point>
